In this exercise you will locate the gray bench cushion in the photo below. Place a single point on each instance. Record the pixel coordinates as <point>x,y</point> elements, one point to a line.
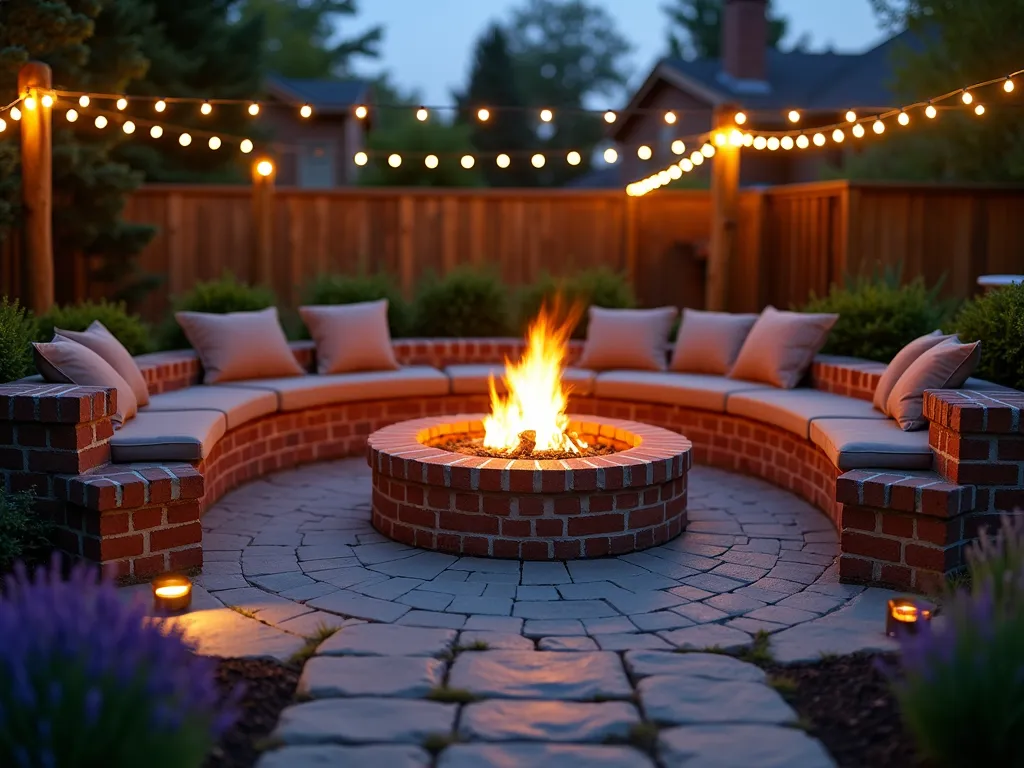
<point>295,394</point>
<point>238,404</point>
<point>691,390</point>
<point>795,409</point>
<point>472,379</point>
<point>168,436</point>
<point>871,444</point>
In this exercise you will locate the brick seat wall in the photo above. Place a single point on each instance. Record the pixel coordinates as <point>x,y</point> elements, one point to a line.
<point>905,530</point>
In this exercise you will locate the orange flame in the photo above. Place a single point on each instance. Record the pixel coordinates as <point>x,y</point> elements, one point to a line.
<point>536,398</point>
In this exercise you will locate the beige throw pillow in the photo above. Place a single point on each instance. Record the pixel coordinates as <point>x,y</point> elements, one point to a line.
<point>947,365</point>
<point>351,337</point>
<point>899,364</point>
<point>68,362</point>
<point>239,345</point>
<point>101,341</point>
<point>627,338</point>
<point>781,346</point>
<point>708,342</point>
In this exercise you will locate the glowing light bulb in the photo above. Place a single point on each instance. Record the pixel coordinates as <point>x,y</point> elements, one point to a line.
<point>185,139</point>
<point>264,167</point>
<point>736,138</point>
<point>851,116</point>
<point>748,139</point>
<point>128,127</point>
<point>1008,85</point>
<point>760,142</point>
<point>121,103</point>
<point>773,143</point>
<point>644,152</point>
<point>71,115</point>
<point>967,97</point>
<point>574,158</point>
<point>206,108</point>
<point>156,132</point>
<point>686,165</point>
<point>740,118</point>
<point>100,122</point>
<point>254,109</point>
<point>361,112</point>
<point>305,111</point>
<point>675,172</point>
<point>858,131</point>
<point>664,177</point>
<point>430,161</point>
<point>802,142</point>
<point>547,115</point>
<point>468,161</point>
<point>678,147</point>
<point>30,103</point>
<point>360,158</point>
<point>395,160</point>
<point>979,110</point>
<point>610,155</point>
<point>83,101</point>
<point>503,160</point>
<point>819,139</point>
<point>610,117</point>
<point>903,119</point>
<point>483,114</point>
<point>422,114</point>
<point>537,161</point>
<point>838,136</point>
<point>214,142</point>
<point>3,125</point>
<point>696,158</point>
<point>878,127</point>
<point>794,116</point>
<point>246,146</point>
<point>670,118</point>
<point>707,150</point>
<point>787,142</point>
<point>47,100</point>
<point>160,106</point>
<point>930,112</point>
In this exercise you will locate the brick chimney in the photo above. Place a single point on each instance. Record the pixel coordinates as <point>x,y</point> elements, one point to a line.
<point>745,40</point>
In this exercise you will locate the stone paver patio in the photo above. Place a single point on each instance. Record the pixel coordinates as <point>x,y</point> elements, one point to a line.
<point>519,663</point>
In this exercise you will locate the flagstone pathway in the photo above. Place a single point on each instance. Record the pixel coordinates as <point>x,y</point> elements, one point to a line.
<point>470,662</point>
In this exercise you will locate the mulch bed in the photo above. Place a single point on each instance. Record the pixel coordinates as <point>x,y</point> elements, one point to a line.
<point>849,706</point>
<point>269,688</point>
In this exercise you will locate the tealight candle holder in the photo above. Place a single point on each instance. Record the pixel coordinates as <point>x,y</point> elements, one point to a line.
<point>906,616</point>
<point>172,593</point>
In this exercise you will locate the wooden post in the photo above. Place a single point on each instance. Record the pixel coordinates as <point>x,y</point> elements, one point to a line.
<point>725,185</point>
<point>263,173</point>
<point>34,82</point>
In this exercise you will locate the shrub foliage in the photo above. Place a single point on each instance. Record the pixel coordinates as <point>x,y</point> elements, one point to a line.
<point>465,302</point>
<point>352,289</point>
<point>24,534</point>
<point>127,328</point>
<point>601,287</point>
<point>997,320</point>
<point>221,296</point>
<point>879,315</point>
<point>17,330</point>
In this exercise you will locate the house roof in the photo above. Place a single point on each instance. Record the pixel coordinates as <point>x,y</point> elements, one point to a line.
<point>824,82</point>
<point>325,96</point>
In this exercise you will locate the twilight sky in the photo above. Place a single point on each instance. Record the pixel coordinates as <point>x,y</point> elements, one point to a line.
<point>428,43</point>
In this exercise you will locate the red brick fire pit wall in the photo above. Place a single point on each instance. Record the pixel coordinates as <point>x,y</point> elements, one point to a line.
<point>534,510</point>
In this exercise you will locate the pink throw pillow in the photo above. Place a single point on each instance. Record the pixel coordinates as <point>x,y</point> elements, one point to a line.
<point>627,338</point>
<point>68,362</point>
<point>945,366</point>
<point>709,342</point>
<point>351,337</point>
<point>781,346</point>
<point>899,364</point>
<point>101,341</point>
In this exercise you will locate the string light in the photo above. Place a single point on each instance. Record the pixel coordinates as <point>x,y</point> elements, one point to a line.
<point>773,143</point>
<point>740,118</point>
<point>30,103</point>
<point>696,158</point>
<point>361,158</point>
<point>100,122</point>
<point>361,112</point>
<point>787,142</point>
<point>546,115</point>
<point>430,161</point>
<point>395,160</point>
<point>838,136</point>
<point>537,161</point>
<point>83,101</point>
<point>685,165</point>
<point>122,104</point>
<point>160,106</point>
<point>644,152</point>
<point>930,112</point>
<point>206,108</point>
<point>966,97</point>
<point>47,100</point>
<point>979,110</point>
<point>503,161</point>
<point>574,158</point>
<point>794,116</point>
<point>760,142</point>
<point>264,168</point>
<point>736,138</point>
<point>468,161</point>
<point>903,119</point>
<point>610,117</point>
<point>878,127</point>
<point>185,139</point>
<point>156,132</point>
<point>71,115</point>
<point>678,147</point>
<point>305,111</point>
<point>663,177</point>
<point>214,142</point>
<point>483,114</point>
<point>670,118</point>
<point>748,139</point>
<point>851,116</point>
<point>245,146</point>
<point>3,125</point>
<point>128,127</point>
<point>858,131</point>
<point>707,150</point>
<point>819,140</point>
<point>1008,85</point>
<point>422,114</point>
<point>254,109</point>
<point>802,142</point>
<point>610,155</point>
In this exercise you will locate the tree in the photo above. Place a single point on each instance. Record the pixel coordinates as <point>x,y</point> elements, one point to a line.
<point>567,52</point>
<point>92,45</point>
<point>695,28</point>
<point>302,38</point>
<point>958,44</point>
<point>493,80</point>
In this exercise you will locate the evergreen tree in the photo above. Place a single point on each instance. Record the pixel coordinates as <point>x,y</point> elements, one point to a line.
<point>93,45</point>
<point>302,40</point>
<point>493,81</point>
<point>695,28</point>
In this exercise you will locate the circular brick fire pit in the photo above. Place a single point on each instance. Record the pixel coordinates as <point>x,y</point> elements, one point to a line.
<point>534,510</point>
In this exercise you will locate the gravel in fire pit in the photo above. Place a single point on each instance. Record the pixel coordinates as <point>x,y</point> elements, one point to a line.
<point>474,446</point>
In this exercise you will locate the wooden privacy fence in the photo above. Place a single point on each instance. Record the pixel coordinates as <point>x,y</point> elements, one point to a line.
<point>790,240</point>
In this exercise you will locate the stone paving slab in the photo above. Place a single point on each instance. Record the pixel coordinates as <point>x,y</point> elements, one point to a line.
<point>682,700</point>
<point>710,666</point>
<point>707,636</point>
<point>741,746</point>
<point>391,676</point>
<point>554,755</point>
<point>330,756</point>
<point>387,640</point>
<point>549,721</point>
<point>364,721</point>
<point>540,675</point>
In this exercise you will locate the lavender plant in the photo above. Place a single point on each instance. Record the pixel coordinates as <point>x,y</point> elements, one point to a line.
<point>87,680</point>
<point>961,687</point>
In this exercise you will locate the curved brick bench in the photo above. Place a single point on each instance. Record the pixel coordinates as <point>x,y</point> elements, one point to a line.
<point>905,529</point>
